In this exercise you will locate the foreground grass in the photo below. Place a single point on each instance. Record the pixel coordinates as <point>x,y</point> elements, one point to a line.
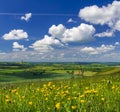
<point>94,94</point>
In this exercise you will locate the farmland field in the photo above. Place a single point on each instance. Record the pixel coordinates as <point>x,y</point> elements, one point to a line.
<point>59,87</point>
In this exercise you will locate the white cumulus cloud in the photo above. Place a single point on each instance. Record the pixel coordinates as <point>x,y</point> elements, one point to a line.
<point>101,15</point>
<point>117,43</point>
<point>88,49</point>
<point>105,34</point>
<point>26,17</point>
<point>46,44</point>
<point>98,50</point>
<point>17,47</point>
<point>57,31</point>
<point>70,20</point>
<point>117,25</point>
<point>82,33</point>
<point>60,36</point>
<point>15,35</point>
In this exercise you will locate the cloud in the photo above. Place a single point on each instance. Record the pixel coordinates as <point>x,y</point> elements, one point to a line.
<point>82,33</point>
<point>117,43</point>
<point>18,47</point>
<point>98,50</point>
<point>46,44</point>
<point>68,54</point>
<point>88,49</point>
<point>71,21</point>
<point>105,34</point>
<point>15,35</point>
<point>101,15</point>
<point>105,48</point>
<point>57,31</point>
<point>105,15</point>
<point>60,36</point>
<point>117,25</point>
<point>26,17</point>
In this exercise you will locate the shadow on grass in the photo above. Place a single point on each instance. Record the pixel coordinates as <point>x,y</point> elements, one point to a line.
<point>28,75</point>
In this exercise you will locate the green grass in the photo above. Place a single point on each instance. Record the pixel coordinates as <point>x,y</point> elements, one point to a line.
<point>57,88</point>
<point>55,71</point>
<point>88,94</point>
<point>109,71</point>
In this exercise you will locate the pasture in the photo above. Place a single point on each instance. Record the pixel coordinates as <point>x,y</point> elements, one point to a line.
<point>60,88</point>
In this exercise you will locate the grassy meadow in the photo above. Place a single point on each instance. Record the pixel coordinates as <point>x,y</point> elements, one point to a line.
<point>59,88</point>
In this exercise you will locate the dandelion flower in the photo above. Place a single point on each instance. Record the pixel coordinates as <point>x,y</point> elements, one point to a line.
<point>6,96</point>
<point>7,100</point>
<point>23,97</point>
<point>82,101</point>
<point>73,107</point>
<point>30,103</point>
<point>57,105</point>
<point>102,99</point>
<point>113,87</point>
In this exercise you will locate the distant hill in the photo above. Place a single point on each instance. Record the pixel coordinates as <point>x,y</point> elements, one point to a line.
<point>109,71</point>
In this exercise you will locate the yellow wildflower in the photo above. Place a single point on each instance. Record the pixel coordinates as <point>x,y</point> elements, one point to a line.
<point>68,98</point>
<point>57,105</point>
<point>74,98</point>
<point>53,86</point>
<point>49,83</point>
<point>113,87</point>
<point>44,85</point>
<point>16,93</point>
<point>102,99</point>
<point>66,91</point>
<point>46,98</point>
<point>6,96</point>
<point>14,101</point>
<point>7,100</point>
<point>30,103</point>
<point>14,90</point>
<point>81,96</point>
<point>48,108</point>
<point>23,97</point>
<point>73,107</point>
<point>86,88</point>
<point>82,101</point>
<point>37,89</point>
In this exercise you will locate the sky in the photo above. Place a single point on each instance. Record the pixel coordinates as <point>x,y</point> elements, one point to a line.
<point>60,30</point>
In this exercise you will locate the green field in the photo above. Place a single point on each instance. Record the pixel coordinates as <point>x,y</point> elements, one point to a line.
<point>59,87</point>
<point>12,72</point>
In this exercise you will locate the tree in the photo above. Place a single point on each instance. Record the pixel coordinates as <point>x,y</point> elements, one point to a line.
<point>82,71</point>
<point>71,73</point>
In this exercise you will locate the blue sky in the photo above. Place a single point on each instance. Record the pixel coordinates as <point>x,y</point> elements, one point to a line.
<point>60,30</point>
